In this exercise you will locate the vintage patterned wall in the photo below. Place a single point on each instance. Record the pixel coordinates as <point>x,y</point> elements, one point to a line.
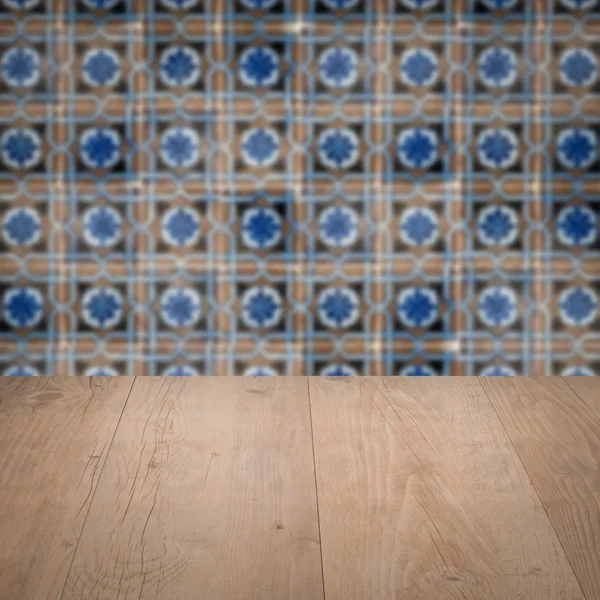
<point>299,186</point>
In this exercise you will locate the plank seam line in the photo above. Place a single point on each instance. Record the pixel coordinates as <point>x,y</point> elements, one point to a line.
<point>592,412</point>
<point>533,486</point>
<point>312,438</point>
<point>62,592</point>
<point>393,429</point>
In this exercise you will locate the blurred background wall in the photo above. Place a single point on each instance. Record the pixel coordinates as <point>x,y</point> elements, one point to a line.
<point>299,187</point>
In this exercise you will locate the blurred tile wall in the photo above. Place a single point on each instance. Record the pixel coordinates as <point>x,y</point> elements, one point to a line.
<point>295,187</point>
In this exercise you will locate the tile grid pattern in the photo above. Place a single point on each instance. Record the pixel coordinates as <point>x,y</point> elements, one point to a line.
<point>299,186</point>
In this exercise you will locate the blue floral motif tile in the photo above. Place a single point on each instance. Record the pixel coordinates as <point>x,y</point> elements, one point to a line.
<point>299,187</point>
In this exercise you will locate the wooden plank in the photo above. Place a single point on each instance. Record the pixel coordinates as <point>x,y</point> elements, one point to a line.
<point>208,492</point>
<point>422,496</point>
<point>588,389</point>
<point>557,436</point>
<point>54,438</point>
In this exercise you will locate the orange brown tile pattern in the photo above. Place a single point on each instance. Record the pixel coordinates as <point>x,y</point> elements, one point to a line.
<point>295,187</point>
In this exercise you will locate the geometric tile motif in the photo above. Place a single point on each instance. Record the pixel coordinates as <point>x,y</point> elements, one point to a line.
<point>294,187</point>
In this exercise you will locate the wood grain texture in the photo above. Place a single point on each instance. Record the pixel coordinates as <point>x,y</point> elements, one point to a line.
<point>54,437</point>
<point>421,496</point>
<point>208,493</point>
<point>557,436</point>
<point>588,389</point>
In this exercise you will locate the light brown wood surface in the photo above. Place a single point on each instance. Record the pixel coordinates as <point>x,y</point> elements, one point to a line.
<point>588,389</point>
<point>301,488</point>
<point>208,493</point>
<point>54,438</point>
<point>557,436</point>
<point>430,499</point>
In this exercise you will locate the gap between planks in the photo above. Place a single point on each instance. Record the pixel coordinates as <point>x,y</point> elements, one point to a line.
<point>505,428</point>
<point>312,438</point>
<point>62,591</point>
<point>415,444</point>
<point>197,533</point>
<point>537,493</point>
<point>554,425</point>
<point>54,436</point>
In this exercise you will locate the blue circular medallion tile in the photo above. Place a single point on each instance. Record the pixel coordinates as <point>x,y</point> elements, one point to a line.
<point>21,227</point>
<point>578,5</point>
<point>419,226</point>
<point>101,67</point>
<point>498,371</point>
<point>259,4</point>
<point>417,307</point>
<point>21,371</point>
<point>179,66</point>
<point>419,67</point>
<point>181,371</point>
<point>578,306</point>
<point>102,307</point>
<point>261,228</point>
<point>100,4</point>
<point>419,4</point>
<point>578,67</point>
<point>338,67</point>
<point>338,371</point>
<point>22,307</point>
<point>179,4</point>
<point>497,67</point>
<point>21,4</point>
<point>101,372</point>
<point>261,147</point>
<point>262,307</point>
<point>21,67</point>
<point>181,226</point>
<point>577,148</point>
<point>260,372</point>
<point>102,227</point>
<point>418,148</point>
<point>577,226</point>
<point>339,227</point>
<point>180,306</point>
<point>577,372</point>
<point>498,148</point>
<point>336,5</point>
<point>497,306</point>
<point>100,147</point>
<point>500,4</point>
<point>497,225</point>
<point>180,147</point>
<point>21,148</point>
<point>259,66</point>
<point>417,371</point>
<point>338,307</point>
<point>339,148</point>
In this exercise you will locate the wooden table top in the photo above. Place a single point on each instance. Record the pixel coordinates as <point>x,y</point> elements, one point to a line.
<point>301,488</point>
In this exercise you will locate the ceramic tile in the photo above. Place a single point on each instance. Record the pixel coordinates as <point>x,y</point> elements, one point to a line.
<point>299,187</point>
